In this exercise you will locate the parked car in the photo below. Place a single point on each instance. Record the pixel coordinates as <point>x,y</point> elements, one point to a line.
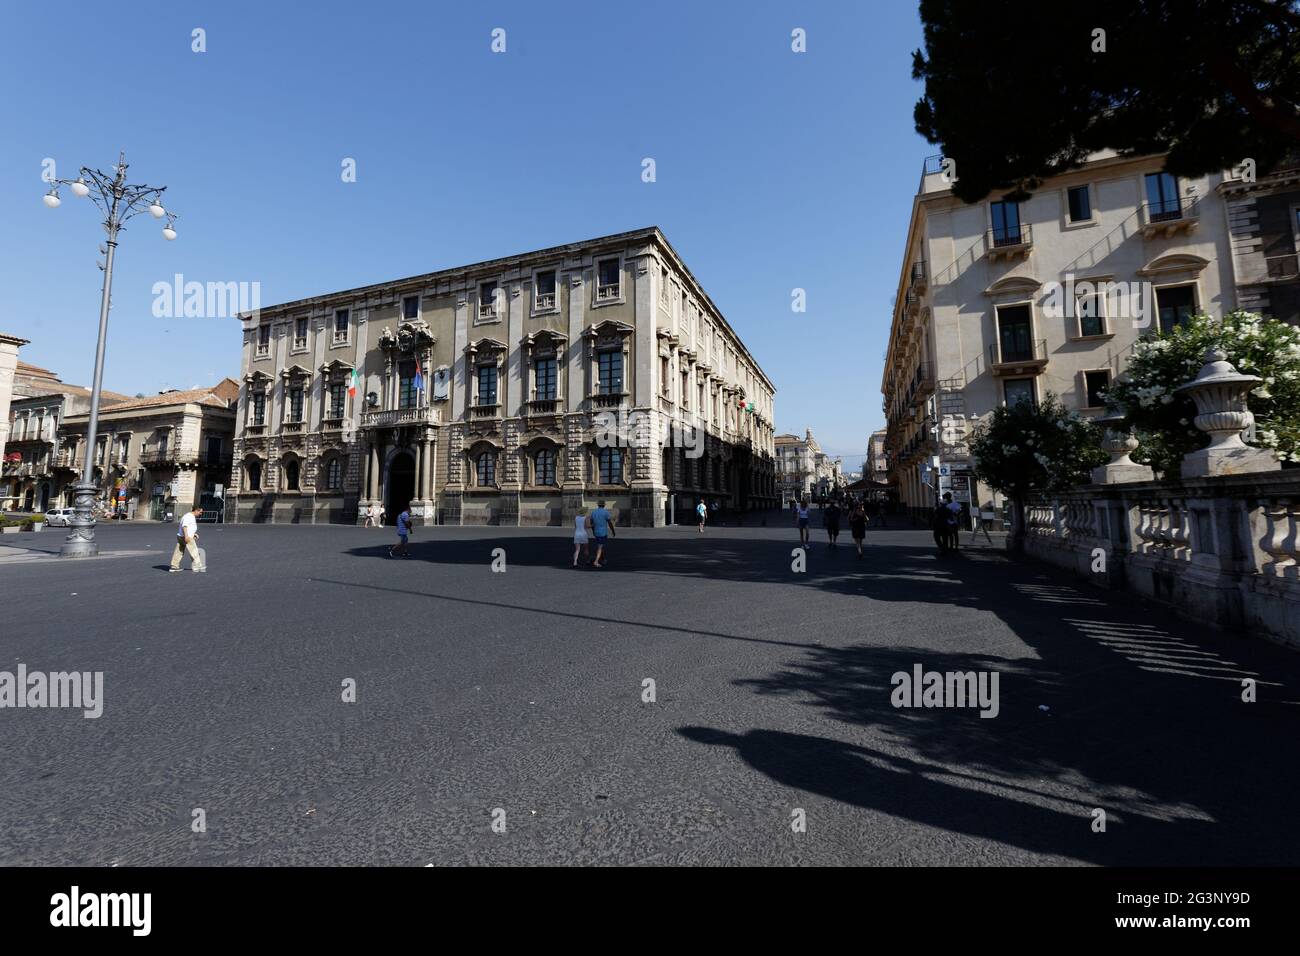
<point>59,517</point>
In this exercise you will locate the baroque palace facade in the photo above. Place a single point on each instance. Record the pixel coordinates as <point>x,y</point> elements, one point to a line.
<point>485,395</point>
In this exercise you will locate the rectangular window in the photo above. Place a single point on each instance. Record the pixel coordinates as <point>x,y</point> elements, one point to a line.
<point>338,399</point>
<point>341,325</point>
<point>607,279</point>
<point>665,381</point>
<point>407,397</point>
<point>263,339</point>
<point>1080,203</point>
<point>699,405</point>
<point>486,468</point>
<point>259,408</point>
<point>300,334</point>
<point>1096,383</point>
<point>1006,223</point>
<point>1162,197</point>
<point>544,290</point>
<point>214,448</point>
<point>544,470</point>
<point>544,380</point>
<point>1017,390</point>
<point>611,466</point>
<point>1175,306</point>
<point>411,307</point>
<point>295,404</point>
<point>487,300</point>
<point>487,385</point>
<point>1092,314</point>
<point>685,392</point>
<point>611,372</point>
<point>1015,334</point>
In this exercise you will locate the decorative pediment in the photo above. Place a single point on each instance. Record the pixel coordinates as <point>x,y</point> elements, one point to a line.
<point>1014,285</point>
<point>545,342</point>
<point>609,329</point>
<point>485,345</point>
<point>295,371</point>
<point>336,366</point>
<point>1174,262</point>
<point>257,378</point>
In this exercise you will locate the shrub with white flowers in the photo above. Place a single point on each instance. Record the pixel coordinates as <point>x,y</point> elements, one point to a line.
<point>1027,449</point>
<point>1161,363</point>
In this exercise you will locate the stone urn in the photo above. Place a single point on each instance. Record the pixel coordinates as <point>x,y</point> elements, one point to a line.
<point>1219,392</point>
<point>1120,442</point>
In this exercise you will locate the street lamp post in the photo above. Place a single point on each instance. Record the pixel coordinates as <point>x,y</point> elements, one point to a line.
<point>118,200</point>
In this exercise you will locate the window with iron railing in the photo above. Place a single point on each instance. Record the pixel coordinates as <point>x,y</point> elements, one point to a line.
<point>607,279</point>
<point>544,290</point>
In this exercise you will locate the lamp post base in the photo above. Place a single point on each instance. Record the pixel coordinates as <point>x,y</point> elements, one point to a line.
<point>81,542</point>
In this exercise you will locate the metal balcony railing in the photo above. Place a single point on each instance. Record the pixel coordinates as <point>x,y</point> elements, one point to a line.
<point>1283,267</point>
<point>1018,355</point>
<point>1009,237</point>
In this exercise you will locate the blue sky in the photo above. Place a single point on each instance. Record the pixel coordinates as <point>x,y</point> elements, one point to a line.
<point>775,170</point>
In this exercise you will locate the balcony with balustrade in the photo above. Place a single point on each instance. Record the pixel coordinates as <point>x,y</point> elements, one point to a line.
<point>1169,217</point>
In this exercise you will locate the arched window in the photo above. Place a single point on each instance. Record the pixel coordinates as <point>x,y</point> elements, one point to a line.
<point>486,469</point>
<point>610,461</point>
<point>253,472</point>
<point>544,467</point>
<point>334,474</point>
<point>291,474</point>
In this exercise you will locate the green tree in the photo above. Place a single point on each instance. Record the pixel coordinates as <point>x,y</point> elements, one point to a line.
<point>1028,449</point>
<point>1163,362</point>
<point>1015,95</point>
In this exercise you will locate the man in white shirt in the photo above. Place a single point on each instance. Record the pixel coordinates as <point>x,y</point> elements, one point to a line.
<point>187,536</point>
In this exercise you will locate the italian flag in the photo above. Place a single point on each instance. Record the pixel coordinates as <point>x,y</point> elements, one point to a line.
<point>354,384</point>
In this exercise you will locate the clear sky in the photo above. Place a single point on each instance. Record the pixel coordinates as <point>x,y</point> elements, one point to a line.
<point>775,170</point>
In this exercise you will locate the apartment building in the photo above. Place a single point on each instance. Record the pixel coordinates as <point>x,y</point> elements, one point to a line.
<point>1264,226</point>
<point>876,465</point>
<point>1003,301</point>
<point>40,405</point>
<point>513,391</point>
<point>157,455</point>
<point>803,470</point>
<point>9,346</point>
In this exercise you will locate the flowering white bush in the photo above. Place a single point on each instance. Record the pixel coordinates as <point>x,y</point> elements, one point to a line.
<point>1254,345</point>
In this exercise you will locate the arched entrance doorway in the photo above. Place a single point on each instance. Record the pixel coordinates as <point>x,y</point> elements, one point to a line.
<point>399,488</point>
<point>45,497</point>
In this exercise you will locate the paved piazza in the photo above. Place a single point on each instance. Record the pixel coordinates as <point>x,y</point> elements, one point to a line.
<point>523,691</point>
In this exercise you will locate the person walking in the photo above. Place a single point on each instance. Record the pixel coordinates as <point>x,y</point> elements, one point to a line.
<point>187,542</point>
<point>403,534</point>
<point>831,522</point>
<point>858,525</point>
<point>954,521</point>
<point>581,535</point>
<point>602,529</point>
<point>801,519</point>
<point>703,512</point>
<point>370,517</point>
<point>380,516</point>
<point>982,522</point>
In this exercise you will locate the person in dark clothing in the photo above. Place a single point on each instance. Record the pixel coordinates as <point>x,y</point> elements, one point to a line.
<point>858,525</point>
<point>831,521</point>
<point>939,525</point>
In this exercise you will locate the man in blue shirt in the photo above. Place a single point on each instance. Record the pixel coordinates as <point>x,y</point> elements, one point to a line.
<point>602,528</point>
<point>403,530</point>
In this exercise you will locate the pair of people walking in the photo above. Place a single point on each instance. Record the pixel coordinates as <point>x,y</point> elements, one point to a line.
<point>944,521</point>
<point>595,528</point>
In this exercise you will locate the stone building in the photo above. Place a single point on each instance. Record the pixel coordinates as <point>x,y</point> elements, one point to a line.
<point>511,392</point>
<point>41,403</point>
<point>9,346</point>
<point>1264,222</point>
<point>1003,301</point>
<point>165,453</point>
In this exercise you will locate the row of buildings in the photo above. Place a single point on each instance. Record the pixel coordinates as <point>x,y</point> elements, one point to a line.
<point>513,391</point>
<point>153,454</point>
<point>803,470</point>
<point>1003,301</point>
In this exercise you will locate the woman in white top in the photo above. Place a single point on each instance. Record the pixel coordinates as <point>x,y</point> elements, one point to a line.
<point>581,535</point>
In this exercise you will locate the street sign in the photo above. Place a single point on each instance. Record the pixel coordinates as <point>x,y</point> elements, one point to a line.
<point>945,471</point>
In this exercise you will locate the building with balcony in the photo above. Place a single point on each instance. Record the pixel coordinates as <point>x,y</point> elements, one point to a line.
<point>876,466</point>
<point>1004,301</point>
<point>41,403</point>
<point>513,392</point>
<point>157,455</point>
<point>9,346</point>
<point>1264,222</point>
<point>803,470</point>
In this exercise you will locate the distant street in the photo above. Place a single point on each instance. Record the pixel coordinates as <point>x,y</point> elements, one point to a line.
<point>523,691</point>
